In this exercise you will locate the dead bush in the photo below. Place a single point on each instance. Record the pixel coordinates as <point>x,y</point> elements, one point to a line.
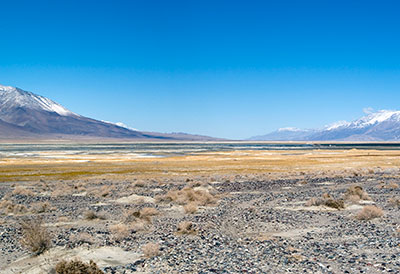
<point>77,267</point>
<point>393,185</point>
<point>120,231</point>
<point>356,191</point>
<point>79,239</point>
<point>148,212</point>
<point>140,184</point>
<point>144,214</point>
<point>91,215</point>
<point>35,236</point>
<point>338,204</point>
<point>186,228</point>
<point>151,250</point>
<point>104,191</point>
<point>19,190</point>
<point>190,208</point>
<point>8,207</point>
<point>326,200</point>
<point>186,195</point>
<point>41,207</point>
<point>369,212</point>
<point>394,202</point>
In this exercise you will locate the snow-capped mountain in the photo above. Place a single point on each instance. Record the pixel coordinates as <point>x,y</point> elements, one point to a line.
<point>383,125</point>
<point>24,114</point>
<point>11,97</point>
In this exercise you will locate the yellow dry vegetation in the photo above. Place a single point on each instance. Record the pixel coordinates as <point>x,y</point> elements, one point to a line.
<point>233,162</point>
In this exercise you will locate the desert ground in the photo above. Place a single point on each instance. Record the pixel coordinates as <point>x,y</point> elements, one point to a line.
<point>311,211</point>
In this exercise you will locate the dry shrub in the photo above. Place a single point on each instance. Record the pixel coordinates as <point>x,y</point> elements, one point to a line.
<point>148,211</point>
<point>186,228</point>
<point>151,250</point>
<point>77,267</point>
<point>356,191</point>
<point>120,231</point>
<point>91,215</point>
<point>138,226</point>
<point>139,184</point>
<point>191,208</point>
<point>81,239</point>
<point>393,185</point>
<point>193,184</point>
<point>35,236</point>
<point>326,200</point>
<point>186,195</point>
<point>369,212</point>
<point>41,207</point>
<point>8,207</point>
<point>19,190</point>
<point>338,204</point>
<point>394,202</point>
<point>144,214</point>
<point>62,189</point>
<point>326,196</point>
<point>104,191</point>
<point>353,199</point>
<point>63,219</point>
<point>131,216</point>
<point>136,223</point>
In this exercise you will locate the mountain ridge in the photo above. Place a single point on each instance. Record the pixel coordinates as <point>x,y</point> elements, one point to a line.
<point>26,115</point>
<point>382,125</point>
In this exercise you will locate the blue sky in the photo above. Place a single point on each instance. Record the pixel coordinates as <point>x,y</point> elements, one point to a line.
<point>230,69</point>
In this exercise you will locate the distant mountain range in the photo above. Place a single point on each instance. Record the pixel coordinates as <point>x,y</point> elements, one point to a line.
<point>383,125</point>
<point>25,115</point>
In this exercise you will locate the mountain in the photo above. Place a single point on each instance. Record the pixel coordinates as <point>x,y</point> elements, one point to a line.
<point>25,115</point>
<point>383,125</point>
<point>287,134</point>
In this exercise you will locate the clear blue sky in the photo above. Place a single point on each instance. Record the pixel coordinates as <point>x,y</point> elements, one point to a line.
<point>230,69</point>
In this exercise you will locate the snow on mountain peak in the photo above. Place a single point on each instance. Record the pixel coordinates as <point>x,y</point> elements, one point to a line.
<point>337,125</point>
<point>368,120</point>
<point>15,97</point>
<point>289,129</point>
<point>6,88</point>
<point>379,116</point>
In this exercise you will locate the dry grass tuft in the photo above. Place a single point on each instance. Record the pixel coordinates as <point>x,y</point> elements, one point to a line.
<point>394,201</point>
<point>186,228</point>
<point>105,191</point>
<point>120,231</point>
<point>354,192</point>
<point>81,239</point>
<point>393,185</point>
<point>369,212</point>
<point>19,190</point>
<point>35,236</point>
<point>147,212</point>
<point>139,184</point>
<point>63,219</point>
<point>91,215</point>
<point>41,207</point>
<point>187,195</point>
<point>144,214</point>
<point>326,200</point>
<point>77,267</point>
<point>191,208</point>
<point>151,250</point>
<point>8,207</point>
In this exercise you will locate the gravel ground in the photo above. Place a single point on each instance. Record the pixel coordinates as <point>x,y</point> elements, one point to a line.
<point>259,225</point>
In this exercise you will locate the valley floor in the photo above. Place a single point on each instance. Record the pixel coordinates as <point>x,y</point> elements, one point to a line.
<point>225,212</point>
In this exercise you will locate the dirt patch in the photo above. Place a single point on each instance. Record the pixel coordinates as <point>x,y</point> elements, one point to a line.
<point>103,257</point>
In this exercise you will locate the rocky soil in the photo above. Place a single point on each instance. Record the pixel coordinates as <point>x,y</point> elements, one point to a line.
<point>239,224</point>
